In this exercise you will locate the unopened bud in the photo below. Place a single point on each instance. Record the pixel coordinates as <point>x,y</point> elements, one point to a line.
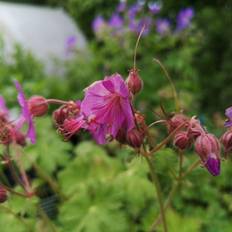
<point>208,148</point>
<point>38,106</point>
<point>176,121</point>
<point>181,140</point>
<point>68,111</point>
<point>195,129</point>
<point>134,82</point>
<point>226,140</point>
<point>3,194</point>
<point>135,138</point>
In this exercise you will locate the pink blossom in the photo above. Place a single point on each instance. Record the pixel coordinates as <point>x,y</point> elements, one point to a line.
<point>26,116</point>
<point>107,107</point>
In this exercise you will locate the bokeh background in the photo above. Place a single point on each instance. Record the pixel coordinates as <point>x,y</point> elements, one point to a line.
<point>82,187</point>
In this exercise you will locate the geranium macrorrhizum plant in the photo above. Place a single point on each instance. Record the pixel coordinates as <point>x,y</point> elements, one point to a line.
<point>107,112</point>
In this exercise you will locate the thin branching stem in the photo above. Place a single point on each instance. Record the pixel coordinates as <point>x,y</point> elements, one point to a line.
<point>156,183</point>
<point>174,92</point>
<point>137,44</point>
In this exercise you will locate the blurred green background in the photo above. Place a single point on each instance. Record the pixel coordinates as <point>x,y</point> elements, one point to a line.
<point>83,187</point>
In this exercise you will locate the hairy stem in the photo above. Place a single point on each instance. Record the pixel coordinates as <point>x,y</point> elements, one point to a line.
<point>156,183</point>
<point>54,186</point>
<point>171,83</point>
<point>175,188</point>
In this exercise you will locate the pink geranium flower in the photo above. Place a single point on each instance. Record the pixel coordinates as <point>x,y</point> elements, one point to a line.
<point>107,107</point>
<point>26,116</point>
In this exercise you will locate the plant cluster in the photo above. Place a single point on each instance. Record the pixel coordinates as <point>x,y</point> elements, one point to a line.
<point>107,112</point>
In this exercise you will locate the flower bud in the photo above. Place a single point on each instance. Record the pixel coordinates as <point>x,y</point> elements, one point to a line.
<point>195,129</point>
<point>226,140</point>
<point>134,82</point>
<point>38,106</point>
<point>135,138</point>
<point>213,164</point>
<point>176,121</point>
<point>208,148</point>
<point>3,194</point>
<point>68,111</point>
<point>181,140</point>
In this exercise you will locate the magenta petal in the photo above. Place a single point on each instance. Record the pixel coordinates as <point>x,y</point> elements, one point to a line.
<point>27,117</point>
<point>108,102</point>
<point>108,85</point>
<point>228,112</point>
<point>213,165</point>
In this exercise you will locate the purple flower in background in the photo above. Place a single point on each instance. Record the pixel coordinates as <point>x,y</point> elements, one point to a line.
<point>184,18</point>
<point>26,116</point>
<point>107,107</point>
<point>228,114</point>
<point>147,22</point>
<point>133,10</point>
<point>121,6</point>
<point>116,21</point>
<point>163,26</point>
<point>71,42</point>
<point>154,7</point>
<point>98,24</point>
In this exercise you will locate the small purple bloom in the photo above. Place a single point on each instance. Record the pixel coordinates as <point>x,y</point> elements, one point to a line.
<point>154,7</point>
<point>162,26</point>
<point>147,22</point>
<point>228,114</point>
<point>107,107</point>
<point>121,6</point>
<point>26,116</point>
<point>213,165</point>
<point>71,42</point>
<point>133,10</point>
<point>184,18</point>
<point>116,21</point>
<point>98,24</point>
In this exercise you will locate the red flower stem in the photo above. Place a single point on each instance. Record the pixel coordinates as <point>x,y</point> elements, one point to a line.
<point>165,141</point>
<point>26,182</point>
<point>156,122</point>
<point>57,101</point>
<point>14,192</point>
<point>13,171</point>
